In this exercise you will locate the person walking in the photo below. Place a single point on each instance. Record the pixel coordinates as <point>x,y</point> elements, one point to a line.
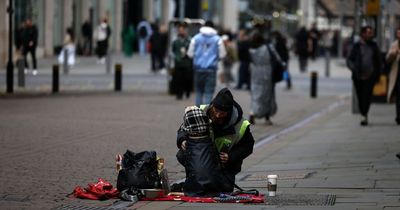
<point>128,37</point>
<point>315,36</point>
<point>30,39</point>
<point>183,74</point>
<point>158,42</point>
<point>68,48</point>
<point>393,59</point>
<point>243,46</point>
<point>206,48</point>
<point>144,32</point>
<point>279,42</point>
<point>263,102</point>
<point>87,33</point>
<point>228,61</point>
<point>302,48</point>
<point>103,33</point>
<point>364,62</point>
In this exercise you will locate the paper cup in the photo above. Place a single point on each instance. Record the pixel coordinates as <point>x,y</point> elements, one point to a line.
<point>272,184</point>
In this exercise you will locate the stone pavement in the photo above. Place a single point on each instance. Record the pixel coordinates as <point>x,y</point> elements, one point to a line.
<point>49,144</point>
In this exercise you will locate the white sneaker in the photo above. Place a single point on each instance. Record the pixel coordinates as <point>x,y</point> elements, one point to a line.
<point>34,72</point>
<point>26,71</point>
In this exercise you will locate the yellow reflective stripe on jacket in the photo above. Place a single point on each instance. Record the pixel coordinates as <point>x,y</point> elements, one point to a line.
<point>243,128</point>
<point>203,106</point>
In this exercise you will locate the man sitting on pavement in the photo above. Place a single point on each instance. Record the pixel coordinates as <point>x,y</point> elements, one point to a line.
<point>229,131</point>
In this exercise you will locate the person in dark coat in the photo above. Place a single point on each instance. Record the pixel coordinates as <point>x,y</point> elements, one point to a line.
<point>243,46</point>
<point>87,33</point>
<point>279,42</point>
<point>302,48</point>
<point>365,63</point>
<point>30,43</point>
<point>158,47</point>
<point>183,74</point>
<point>230,132</point>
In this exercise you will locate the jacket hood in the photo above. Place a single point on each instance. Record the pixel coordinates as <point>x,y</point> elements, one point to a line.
<point>208,31</point>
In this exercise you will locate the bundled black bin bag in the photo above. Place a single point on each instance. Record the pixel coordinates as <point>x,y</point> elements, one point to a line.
<point>139,170</point>
<point>204,176</point>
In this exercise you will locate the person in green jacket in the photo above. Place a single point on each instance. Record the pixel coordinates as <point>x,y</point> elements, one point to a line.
<point>183,74</point>
<point>128,37</point>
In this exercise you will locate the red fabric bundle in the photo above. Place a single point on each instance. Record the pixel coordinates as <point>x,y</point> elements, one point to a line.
<point>102,190</point>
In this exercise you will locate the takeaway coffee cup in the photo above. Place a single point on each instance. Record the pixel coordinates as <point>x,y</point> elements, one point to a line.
<point>272,179</point>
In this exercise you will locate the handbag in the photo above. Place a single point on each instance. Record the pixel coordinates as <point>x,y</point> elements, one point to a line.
<point>139,170</point>
<point>278,67</point>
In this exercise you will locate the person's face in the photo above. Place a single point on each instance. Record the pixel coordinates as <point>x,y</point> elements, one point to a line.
<point>398,34</point>
<point>368,34</point>
<point>182,31</point>
<point>217,116</point>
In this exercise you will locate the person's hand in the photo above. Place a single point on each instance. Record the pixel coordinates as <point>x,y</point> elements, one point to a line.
<point>30,43</point>
<point>224,157</point>
<point>183,145</point>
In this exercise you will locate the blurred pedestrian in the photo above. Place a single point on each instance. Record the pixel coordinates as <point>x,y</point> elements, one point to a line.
<point>393,59</point>
<point>279,42</point>
<point>158,47</point>
<point>68,48</point>
<point>128,37</point>
<point>144,32</point>
<point>263,102</point>
<point>364,62</point>
<point>228,61</point>
<point>301,48</point>
<point>243,46</point>
<point>29,45</point>
<point>103,33</point>
<point>206,49</point>
<point>314,35</point>
<point>87,34</point>
<point>183,74</point>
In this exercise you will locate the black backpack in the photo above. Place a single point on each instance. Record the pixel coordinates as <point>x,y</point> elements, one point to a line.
<point>139,170</point>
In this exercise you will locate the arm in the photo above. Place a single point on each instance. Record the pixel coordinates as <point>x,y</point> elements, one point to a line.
<point>221,49</point>
<point>190,51</point>
<point>180,138</point>
<point>393,51</point>
<point>242,149</point>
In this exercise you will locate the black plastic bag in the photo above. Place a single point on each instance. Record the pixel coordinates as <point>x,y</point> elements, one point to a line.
<point>139,171</point>
<point>204,176</point>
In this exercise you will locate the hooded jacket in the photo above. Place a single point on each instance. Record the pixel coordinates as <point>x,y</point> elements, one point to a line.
<point>206,48</point>
<point>240,149</point>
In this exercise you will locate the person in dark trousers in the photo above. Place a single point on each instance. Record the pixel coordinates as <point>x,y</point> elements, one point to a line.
<point>243,46</point>
<point>314,35</point>
<point>183,74</point>
<point>87,33</point>
<point>158,47</point>
<point>393,59</point>
<point>279,42</point>
<point>30,39</point>
<point>103,33</point>
<point>364,62</point>
<point>230,132</point>
<point>301,48</point>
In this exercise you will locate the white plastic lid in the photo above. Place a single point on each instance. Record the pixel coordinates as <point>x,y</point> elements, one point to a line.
<point>272,176</point>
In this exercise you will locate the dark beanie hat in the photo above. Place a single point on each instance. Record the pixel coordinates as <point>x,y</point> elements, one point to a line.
<point>223,100</point>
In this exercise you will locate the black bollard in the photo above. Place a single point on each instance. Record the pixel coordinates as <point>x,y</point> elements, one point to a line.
<point>66,70</point>
<point>313,86</point>
<point>56,78</point>
<point>118,77</point>
<point>21,72</point>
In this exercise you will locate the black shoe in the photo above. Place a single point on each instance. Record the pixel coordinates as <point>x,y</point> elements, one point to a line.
<point>398,155</point>
<point>251,119</point>
<point>397,120</point>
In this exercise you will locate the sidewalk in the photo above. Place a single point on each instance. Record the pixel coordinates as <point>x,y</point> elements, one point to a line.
<point>329,155</point>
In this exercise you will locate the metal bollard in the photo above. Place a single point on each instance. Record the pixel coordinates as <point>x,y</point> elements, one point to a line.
<point>21,72</point>
<point>65,64</point>
<point>56,78</point>
<point>313,86</point>
<point>118,77</point>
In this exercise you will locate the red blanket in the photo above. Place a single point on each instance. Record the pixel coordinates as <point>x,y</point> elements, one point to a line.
<point>240,198</point>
